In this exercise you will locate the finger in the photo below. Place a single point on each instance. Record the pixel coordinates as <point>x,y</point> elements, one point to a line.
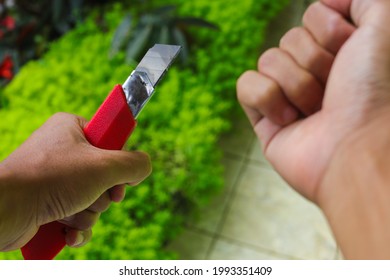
<point>133,184</point>
<point>362,11</point>
<point>81,221</point>
<point>329,28</point>
<point>76,238</point>
<point>101,204</point>
<point>120,167</point>
<point>253,114</point>
<point>265,131</point>
<point>343,7</point>
<point>300,87</point>
<point>117,193</point>
<point>301,45</point>
<point>261,96</point>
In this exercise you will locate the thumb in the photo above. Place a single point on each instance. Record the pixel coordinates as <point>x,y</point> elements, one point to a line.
<point>121,167</point>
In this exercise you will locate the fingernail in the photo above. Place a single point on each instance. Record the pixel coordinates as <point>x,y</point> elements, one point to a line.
<point>289,115</point>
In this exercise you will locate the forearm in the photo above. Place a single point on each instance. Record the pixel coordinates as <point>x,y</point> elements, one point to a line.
<point>356,198</point>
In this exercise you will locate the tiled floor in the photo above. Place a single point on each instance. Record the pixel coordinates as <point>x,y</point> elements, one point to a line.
<point>258,216</point>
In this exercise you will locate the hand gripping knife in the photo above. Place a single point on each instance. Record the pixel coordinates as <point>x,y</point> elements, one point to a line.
<point>110,128</point>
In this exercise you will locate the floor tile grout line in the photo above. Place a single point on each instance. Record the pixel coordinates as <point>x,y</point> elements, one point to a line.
<point>256,248</point>
<point>233,156</point>
<point>230,198</point>
<point>252,142</point>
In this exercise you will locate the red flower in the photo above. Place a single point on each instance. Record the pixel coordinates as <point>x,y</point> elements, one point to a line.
<point>6,68</point>
<point>8,22</point>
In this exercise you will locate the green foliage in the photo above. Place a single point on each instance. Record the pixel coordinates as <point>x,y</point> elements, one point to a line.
<point>161,26</point>
<point>179,128</point>
<point>27,27</point>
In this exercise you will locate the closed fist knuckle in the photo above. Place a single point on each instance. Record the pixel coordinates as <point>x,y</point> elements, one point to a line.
<point>311,12</point>
<point>267,58</point>
<point>263,97</point>
<point>242,85</point>
<point>256,95</point>
<point>291,37</point>
<point>333,27</point>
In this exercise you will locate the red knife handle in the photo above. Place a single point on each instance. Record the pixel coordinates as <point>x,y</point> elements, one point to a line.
<point>109,129</point>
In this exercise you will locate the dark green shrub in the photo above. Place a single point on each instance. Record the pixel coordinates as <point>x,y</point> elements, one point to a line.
<point>179,128</point>
<point>161,26</point>
<point>27,27</point>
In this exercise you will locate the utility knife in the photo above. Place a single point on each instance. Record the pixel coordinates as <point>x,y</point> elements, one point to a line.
<point>109,129</point>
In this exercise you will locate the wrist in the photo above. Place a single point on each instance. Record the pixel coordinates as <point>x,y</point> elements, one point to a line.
<point>355,196</point>
<point>5,202</point>
<point>16,218</point>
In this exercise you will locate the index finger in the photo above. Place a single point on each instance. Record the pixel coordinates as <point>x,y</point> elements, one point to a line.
<point>361,11</point>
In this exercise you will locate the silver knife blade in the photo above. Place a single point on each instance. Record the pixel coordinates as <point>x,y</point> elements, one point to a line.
<point>139,86</point>
<point>157,60</point>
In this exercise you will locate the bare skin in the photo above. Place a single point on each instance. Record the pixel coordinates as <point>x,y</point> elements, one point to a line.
<point>56,175</point>
<point>320,106</point>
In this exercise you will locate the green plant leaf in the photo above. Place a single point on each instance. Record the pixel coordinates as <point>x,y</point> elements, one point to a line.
<point>193,21</point>
<point>138,44</point>
<point>164,35</point>
<point>180,40</point>
<point>150,19</point>
<point>58,6</point>
<point>121,35</point>
<point>61,16</point>
<point>76,7</point>
<point>164,10</point>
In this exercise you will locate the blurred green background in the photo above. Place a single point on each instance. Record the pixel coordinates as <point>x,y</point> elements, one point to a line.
<point>67,57</point>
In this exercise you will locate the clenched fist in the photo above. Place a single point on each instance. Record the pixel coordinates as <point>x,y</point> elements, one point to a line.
<point>320,104</point>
